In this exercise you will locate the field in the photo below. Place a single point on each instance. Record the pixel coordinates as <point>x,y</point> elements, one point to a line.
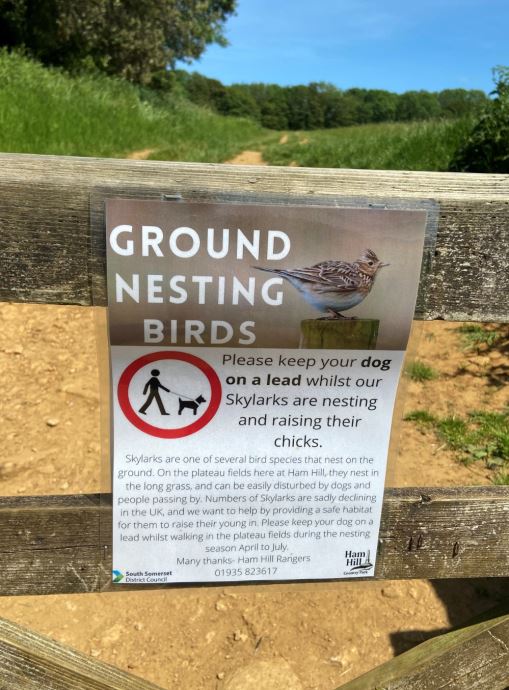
<point>391,146</point>
<point>46,111</point>
<point>302,637</point>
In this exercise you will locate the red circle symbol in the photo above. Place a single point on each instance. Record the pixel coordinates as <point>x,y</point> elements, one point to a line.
<point>130,413</point>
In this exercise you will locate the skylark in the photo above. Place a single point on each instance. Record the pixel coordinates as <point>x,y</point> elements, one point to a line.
<point>334,286</point>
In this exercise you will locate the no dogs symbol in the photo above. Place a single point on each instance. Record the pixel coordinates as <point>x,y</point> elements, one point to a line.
<point>169,394</point>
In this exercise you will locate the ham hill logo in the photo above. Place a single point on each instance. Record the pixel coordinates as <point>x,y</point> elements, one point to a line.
<point>358,561</point>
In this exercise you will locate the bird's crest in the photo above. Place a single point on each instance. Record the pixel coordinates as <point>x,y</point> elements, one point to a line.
<point>368,255</point>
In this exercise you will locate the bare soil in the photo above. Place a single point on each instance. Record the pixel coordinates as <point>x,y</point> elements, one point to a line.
<point>248,158</point>
<point>140,155</point>
<point>266,637</point>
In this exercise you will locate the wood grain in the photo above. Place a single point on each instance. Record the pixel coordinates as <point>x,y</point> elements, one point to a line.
<point>51,252</point>
<point>348,334</point>
<point>62,544</point>
<point>476,656</point>
<point>29,661</point>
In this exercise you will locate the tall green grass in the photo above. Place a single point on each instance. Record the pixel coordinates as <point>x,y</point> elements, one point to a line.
<point>46,111</point>
<point>390,146</point>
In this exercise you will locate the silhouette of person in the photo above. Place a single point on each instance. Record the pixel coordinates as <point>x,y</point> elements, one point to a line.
<point>153,385</point>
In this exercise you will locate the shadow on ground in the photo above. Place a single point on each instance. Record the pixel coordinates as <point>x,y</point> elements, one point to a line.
<point>464,600</point>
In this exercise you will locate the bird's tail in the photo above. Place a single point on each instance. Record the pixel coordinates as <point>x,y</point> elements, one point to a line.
<point>269,270</point>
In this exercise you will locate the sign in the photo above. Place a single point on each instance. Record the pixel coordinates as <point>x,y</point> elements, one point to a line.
<point>255,355</point>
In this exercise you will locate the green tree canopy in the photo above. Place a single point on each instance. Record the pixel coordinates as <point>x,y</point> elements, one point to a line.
<point>131,38</point>
<point>417,105</point>
<point>460,102</point>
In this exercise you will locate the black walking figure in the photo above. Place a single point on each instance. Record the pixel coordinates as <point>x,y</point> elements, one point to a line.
<point>154,385</point>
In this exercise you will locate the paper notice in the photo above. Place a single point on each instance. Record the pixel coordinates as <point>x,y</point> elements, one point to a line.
<point>256,352</point>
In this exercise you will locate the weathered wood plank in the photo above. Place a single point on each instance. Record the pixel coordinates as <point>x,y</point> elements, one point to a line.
<point>49,253</point>
<point>29,661</point>
<point>476,656</point>
<point>444,532</point>
<point>56,544</point>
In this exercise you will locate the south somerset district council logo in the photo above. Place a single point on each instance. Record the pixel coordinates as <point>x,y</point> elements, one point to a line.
<point>169,394</point>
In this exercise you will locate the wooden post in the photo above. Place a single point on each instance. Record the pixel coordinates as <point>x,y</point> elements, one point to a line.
<point>339,334</point>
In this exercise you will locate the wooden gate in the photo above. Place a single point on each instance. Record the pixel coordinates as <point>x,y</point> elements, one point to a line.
<point>53,251</point>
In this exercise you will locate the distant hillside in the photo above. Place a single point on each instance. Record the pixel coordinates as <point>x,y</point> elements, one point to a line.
<point>45,110</point>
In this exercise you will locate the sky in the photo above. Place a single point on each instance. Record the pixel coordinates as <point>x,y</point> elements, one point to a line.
<point>397,45</point>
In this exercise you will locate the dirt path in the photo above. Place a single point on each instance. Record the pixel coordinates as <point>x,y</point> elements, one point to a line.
<point>140,155</point>
<point>248,158</point>
<point>243,158</point>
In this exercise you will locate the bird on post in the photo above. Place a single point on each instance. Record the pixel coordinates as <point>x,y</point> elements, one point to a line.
<point>334,286</point>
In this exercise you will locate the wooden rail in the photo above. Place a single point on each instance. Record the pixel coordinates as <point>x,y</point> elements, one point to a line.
<point>29,661</point>
<point>62,544</point>
<point>475,657</point>
<point>51,252</point>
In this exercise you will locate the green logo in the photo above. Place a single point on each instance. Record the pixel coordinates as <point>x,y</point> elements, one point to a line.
<point>117,576</point>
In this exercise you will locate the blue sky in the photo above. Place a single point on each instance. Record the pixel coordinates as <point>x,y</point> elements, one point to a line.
<point>390,44</point>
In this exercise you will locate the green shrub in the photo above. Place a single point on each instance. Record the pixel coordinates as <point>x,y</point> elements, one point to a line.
<point>487,147</point>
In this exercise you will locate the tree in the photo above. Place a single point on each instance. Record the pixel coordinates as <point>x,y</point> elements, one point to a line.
<point>487,149</point>
<point>460,102</point>
<point>199,89</point>
<point>271,101</point>
<point>340,110</point>
<point>305,107</point>
<point>236,101</point>
<point>130,38</point>
<point>381,105</point>
<point>417,105</point>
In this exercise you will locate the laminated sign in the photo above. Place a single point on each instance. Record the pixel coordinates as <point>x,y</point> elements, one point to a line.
<point>255,356</point>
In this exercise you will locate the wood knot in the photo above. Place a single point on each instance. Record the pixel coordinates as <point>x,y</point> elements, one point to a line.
<point>415,544</point>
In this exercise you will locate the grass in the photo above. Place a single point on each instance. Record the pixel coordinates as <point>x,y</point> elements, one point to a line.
<point>501,479</point>
<point>475,336</point>
<point>480,436</point>
<point>418,371</point>
<point>46,111</point>
<point>389,146</point>
<point>422,417</point>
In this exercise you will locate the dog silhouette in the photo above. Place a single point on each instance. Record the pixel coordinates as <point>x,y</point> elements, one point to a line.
<point>191,404</point>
